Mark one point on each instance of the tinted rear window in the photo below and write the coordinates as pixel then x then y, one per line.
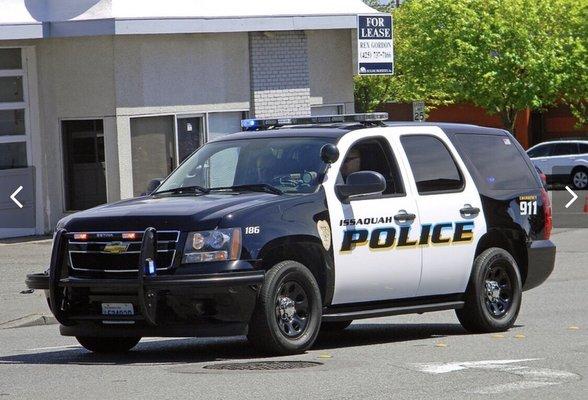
pixel 583 148
pixel 498 161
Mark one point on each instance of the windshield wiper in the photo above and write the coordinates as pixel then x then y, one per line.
pixel 186 188
pixel 255 187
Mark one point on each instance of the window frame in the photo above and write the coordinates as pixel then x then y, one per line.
pixel 548 146
pixel 409 166
pixel 393 163
pixel 21 105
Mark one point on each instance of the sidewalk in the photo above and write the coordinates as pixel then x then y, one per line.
pixel 17 259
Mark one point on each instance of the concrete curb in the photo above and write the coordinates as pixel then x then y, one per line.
pixel 28 321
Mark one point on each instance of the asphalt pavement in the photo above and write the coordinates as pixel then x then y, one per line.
pixel 429 356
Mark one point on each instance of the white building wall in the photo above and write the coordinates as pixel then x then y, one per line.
pixel 331 68
pixel 76 81
pixel 116 78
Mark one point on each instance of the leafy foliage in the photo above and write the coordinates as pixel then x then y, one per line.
pixel 504 56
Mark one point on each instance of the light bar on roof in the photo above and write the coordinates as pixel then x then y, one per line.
pixel 257 124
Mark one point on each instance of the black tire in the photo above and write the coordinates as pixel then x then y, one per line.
pixel 108 345
pixel 484 309
pixel 579 178
pixel 281 325
pixel 335 326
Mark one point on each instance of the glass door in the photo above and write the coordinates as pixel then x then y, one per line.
pixel 190 135
pixel 83 156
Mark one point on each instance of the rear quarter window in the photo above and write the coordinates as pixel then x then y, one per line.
pixel 498 162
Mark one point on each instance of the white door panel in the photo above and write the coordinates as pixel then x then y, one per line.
pixel 449 253
pixel 364 272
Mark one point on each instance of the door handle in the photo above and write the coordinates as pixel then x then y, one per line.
pixel 469 211
pixel 403 217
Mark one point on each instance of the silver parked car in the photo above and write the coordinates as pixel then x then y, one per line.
pixel 563 161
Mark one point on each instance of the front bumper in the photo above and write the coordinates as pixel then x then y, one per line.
pixel 181 306
pixel 541 261
pixel 212 304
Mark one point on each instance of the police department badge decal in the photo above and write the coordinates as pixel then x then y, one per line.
pixel 324 232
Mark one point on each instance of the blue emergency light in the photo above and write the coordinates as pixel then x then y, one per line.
pixel 259 124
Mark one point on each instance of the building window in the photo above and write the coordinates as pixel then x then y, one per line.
pixel 224 123
pixel 13 110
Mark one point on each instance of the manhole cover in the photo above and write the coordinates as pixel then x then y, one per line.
pixel 263 365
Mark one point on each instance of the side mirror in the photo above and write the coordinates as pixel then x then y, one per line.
pixel 152 185
pixel 361 183
pixel 329 153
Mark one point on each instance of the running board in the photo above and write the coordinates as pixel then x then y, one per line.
pixel 333 314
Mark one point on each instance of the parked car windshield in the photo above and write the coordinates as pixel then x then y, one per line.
pixel 292 165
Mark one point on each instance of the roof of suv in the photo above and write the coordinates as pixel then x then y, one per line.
pixel 336 131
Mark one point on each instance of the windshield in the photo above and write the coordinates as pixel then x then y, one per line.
pixel 292 165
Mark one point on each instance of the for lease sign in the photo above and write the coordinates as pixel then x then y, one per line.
pixel 375 51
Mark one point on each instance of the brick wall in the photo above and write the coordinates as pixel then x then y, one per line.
pixel 280 80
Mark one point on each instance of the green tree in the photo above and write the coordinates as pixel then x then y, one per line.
pixel 504 56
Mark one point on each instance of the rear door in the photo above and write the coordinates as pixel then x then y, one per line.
pixel 376 255
pixel 449 207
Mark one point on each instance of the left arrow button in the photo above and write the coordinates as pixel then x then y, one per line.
pixel 13 197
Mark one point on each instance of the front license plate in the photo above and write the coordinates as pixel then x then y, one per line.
pixel 117 309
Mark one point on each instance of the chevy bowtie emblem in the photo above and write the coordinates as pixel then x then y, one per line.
pixel 116 247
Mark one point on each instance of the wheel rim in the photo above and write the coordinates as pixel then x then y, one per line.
pixel 580 179
pixel 498 291
pixel 292 309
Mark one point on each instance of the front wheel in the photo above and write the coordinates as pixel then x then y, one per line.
pixel 287 317
pixel 493 297
pixel 108 344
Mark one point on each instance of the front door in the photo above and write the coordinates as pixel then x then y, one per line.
pixel 190 135
pixel 83 156
pixel 374 237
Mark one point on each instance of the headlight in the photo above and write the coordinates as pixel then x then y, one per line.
pixel 217 245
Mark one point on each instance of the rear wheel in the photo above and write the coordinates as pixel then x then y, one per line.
pixel 335 326
pixel 580 178
pixel 287 316
pixel 493 297
pixel 108 344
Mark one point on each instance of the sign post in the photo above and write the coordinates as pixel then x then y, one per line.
pixel 375 47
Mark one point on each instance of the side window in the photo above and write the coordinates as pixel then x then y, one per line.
pixel 565 149
pixel 432 165
pixel 541 151
pixel 583 148
pixel 374 155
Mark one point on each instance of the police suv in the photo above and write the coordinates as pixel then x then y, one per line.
pixel 299 225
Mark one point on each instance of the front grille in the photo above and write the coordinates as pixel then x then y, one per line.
pixel 116 252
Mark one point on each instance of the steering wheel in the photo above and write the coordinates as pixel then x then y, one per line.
pixel 285 180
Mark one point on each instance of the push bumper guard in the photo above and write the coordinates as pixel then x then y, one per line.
pixel 148 285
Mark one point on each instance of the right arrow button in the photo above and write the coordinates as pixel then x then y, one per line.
pixel 574 197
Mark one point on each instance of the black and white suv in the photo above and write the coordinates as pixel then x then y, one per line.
pixel 303 224
pixel 564 162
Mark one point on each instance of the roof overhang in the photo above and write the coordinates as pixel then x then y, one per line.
pixel 55 18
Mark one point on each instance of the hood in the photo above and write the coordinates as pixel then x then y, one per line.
pixel 166 212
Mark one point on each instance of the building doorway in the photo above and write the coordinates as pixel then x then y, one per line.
pixel 190 135
pixel 83 160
